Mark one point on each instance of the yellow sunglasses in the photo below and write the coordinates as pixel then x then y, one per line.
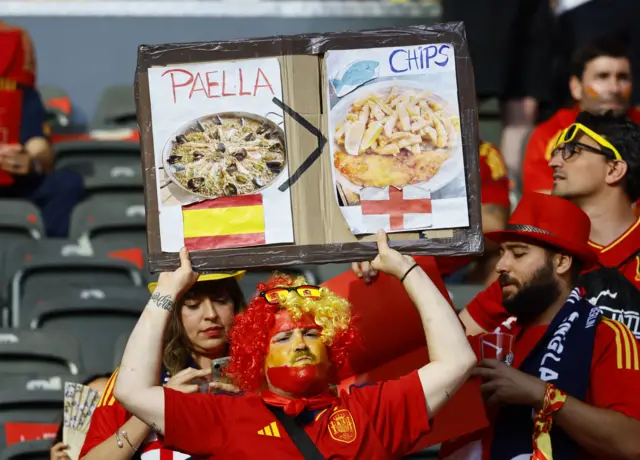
pixel 276 295
pixel 568 136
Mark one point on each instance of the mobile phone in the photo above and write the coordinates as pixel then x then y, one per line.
pixel 217 366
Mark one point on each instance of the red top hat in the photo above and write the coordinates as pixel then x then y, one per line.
pixel 552 221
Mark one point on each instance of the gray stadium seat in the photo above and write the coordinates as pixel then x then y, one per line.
pixel 20 406
pixel 49 265
pixel 32 381
pixel 118 350
pixel 462 294
pixel 20 221
pixel 104 165
pixel 95 318
pixel 112 218
pixel 116 108
pixel 25 352
pixel 27 450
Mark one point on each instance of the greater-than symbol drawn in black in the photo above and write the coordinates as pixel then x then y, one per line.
pixel 306 164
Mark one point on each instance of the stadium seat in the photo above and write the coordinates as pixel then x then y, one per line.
pixel 24 352
pixel 114 218
pixel 104 165
pixel 118 350
pixel 32 381
pixel 19 408
pixel 49 265
pixel 462 294
pixel 20 221
pixel 28 450
pixel 116 108
pixel 95 318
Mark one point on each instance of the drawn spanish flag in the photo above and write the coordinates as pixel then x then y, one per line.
pixel 227 222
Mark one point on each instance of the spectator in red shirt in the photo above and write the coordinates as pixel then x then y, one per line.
pixel 600 81
pixel 26 159
pixel 197 334
pixel 286 349
pixel 604 185
pixel 577 370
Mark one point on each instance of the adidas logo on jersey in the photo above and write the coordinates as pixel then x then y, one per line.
pixel 270 430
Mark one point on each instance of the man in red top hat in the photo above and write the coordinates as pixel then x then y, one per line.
pixel 576 369
pixel 287 348
pixel 596 166
pixel 600 81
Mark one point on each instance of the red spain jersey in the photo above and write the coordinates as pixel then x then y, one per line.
pixel 613 381
pixel 486 308
pixel 377 421
pixel 109 416
pixel 494 190
pixel 615 370
pixel 537 176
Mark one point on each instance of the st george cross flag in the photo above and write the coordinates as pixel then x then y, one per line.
pixel 392 209
pixel 153 450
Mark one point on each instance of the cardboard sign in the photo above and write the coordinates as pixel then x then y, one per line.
pixel 277 151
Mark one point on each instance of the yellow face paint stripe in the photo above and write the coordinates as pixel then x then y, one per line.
pixel 618 344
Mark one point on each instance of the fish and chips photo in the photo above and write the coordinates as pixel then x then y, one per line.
pixel 394 137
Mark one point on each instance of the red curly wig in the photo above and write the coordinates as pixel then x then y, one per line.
pixel 250 332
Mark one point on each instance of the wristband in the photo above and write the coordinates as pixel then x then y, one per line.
pixel 407 272
pixel 554 400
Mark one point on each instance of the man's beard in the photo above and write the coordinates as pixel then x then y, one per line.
pixel 535 296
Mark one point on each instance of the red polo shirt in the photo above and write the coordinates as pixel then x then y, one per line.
pixel 378 421
pixel 486 308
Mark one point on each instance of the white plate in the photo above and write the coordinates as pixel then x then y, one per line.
pixel 449 170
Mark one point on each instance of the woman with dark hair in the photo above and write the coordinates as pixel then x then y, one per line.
pixel 58 449
pixel 197 334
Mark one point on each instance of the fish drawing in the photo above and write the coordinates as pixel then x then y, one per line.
pixel 356 75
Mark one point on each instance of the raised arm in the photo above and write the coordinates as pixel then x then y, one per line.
pixel 450 355
pixel 136 387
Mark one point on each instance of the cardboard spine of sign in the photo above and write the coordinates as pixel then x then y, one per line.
pixel 248 163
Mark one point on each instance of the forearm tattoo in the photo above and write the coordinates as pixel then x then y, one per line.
pixel 155 428
pixel 163 301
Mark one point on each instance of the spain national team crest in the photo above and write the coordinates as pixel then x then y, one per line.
pixel 342 426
